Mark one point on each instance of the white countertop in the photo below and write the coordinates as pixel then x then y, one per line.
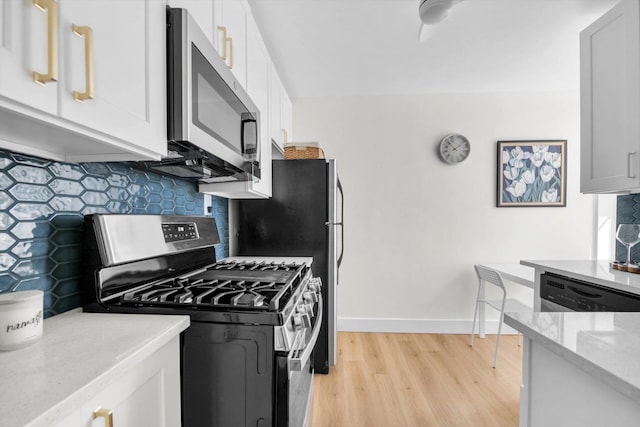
pixel 605 345
pixel 597 272
pixel 78 355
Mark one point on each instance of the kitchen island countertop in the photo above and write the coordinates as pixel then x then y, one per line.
pixel 604 345
pixel 78 355
pixel 592 271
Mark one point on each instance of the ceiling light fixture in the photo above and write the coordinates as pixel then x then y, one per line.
pixel 431 12
pixel 434 11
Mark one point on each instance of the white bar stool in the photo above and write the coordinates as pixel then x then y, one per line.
pixel 490 276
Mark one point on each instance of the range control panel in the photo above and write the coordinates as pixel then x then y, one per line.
pixel 179 232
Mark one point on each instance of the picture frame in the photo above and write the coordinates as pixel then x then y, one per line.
pixel 532 173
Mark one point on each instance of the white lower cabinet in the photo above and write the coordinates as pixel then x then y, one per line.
pixel 146 395
pixel 556 392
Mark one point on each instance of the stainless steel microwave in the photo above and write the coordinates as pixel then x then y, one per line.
pixel 213 127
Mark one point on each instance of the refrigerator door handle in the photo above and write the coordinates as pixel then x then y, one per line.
pixel 341 223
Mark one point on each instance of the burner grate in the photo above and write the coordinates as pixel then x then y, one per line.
pixel 246 286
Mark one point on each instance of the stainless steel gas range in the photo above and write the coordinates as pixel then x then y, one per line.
pixel 246 358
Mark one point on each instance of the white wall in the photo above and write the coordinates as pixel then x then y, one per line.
pixel 414 225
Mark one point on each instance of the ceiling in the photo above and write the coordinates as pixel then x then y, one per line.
pixel 370 47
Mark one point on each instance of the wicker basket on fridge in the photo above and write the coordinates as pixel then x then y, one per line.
pixel 303 150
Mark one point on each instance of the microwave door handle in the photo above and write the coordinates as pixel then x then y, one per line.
pixel 248 127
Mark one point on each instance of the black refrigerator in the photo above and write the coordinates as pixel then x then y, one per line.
pixel 303 217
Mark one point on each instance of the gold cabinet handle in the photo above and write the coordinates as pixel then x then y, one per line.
pixel 87 33
pixel 51 8
pixel 107 414
pixel 230 40
pixel 223 30
pixel 285 136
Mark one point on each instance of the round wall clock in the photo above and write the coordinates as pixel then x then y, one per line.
pixel 454 148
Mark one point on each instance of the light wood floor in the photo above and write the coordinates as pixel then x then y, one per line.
pixel 419 380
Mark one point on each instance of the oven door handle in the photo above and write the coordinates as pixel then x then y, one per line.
pixel 297 363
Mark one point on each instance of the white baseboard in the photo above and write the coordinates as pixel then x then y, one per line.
pixel 426 326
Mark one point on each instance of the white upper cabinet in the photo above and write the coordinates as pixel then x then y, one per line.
pixel 28 45
pixel 101 94
pixel 281 112
pixel 286 116
pixel 202 12
pixel 610 101
pixel 231 35
pixel 258 72
pixel 275 107
pixel 257 86
pixel 127 71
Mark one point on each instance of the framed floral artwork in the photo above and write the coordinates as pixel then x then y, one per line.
pixel 532 173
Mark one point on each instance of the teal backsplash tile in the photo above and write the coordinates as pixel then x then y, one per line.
pixel 42 204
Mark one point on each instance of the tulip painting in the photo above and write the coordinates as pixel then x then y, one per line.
pixel 532 173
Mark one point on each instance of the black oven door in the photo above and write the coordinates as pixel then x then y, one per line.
pixel 294 379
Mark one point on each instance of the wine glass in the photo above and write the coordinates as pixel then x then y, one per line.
pixel 628 235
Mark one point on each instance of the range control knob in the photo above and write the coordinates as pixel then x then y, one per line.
pixel 310 297
pixel 306 320
pixel 314 285
pixel 298 323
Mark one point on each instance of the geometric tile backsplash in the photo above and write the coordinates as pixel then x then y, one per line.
pixel 42 204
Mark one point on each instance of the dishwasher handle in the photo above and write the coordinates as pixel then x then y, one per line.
pixel 584 293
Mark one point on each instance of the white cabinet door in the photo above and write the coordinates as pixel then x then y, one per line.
pixel 28 44
pixel 258 71
pixel 202 13
pixel 231 19
pixel 275 110
pixel 281 110
pixel 147 395
pixel 123 51
pixel 610 101
pixel 257 86
pixel 121 54
pixel 558 392
pixel 287 116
